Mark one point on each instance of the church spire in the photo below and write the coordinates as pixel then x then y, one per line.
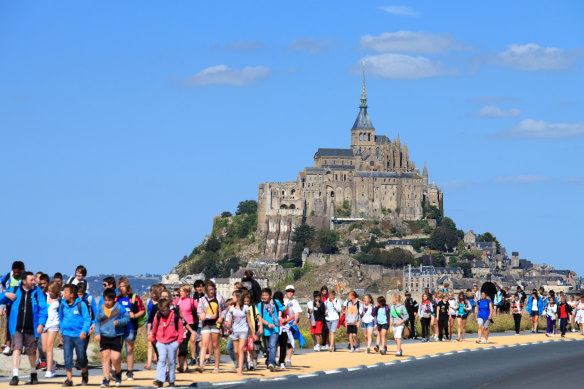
pixel 363 92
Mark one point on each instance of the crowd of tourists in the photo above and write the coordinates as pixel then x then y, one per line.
pixel 184 326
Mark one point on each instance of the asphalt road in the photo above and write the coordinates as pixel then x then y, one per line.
pixel 545 365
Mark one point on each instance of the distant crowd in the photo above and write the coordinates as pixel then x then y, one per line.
pixel 184 326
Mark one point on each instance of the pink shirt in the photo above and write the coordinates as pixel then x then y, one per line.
pixel 164 330
pixel 187 306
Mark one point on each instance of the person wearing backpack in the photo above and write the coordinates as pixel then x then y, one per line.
pixel 79 277
pixel 137 312
pixel 252 286
pixel 150 304
pixel 110 322
pixel 332 311
pixel 352 309
pixel 399 317
pixel 269 312
pixel 167 334
pixel 75 321
pixel 382 315
pixel 443 315
pixel 188 311
pixel 534 309
pixel 317 312
pixel 90 301
pixel 10 280
pixel 28 316
pixel 211 311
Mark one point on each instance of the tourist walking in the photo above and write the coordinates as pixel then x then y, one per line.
pixel 399 316
pixel 516 310
pixel 534 309
pixel 110 322
pixel 293 312
pixel 10 280
pixel 442 317
pixel 464 309
pixel 352 309
pixel 211 314
pixel 551 309
pixel 381 315
pixel 317 311
pixel 150 304
pixel 188 311
pixel 452 309
pixel 269 311
pixel 564 313
pixel 367 321
pixel 580 314
pixel 136 310
pixel 412 308
pixel 485 312
pixel 425 313
pixel 167 334
pixel 51 329
pixel 28 315
pixel 332 310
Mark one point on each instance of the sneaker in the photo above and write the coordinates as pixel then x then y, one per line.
pixel 105 383
pixel 7 351
pixel 192 362
pixel 316 348
pixel 563 336
pixel 367 350
pixel 351 349
pixel 485 341
pixel 282 366
pixel 68 382
pixel 382 351
pixel 533 331
pixel 171 385
pixel 129 376
pixel 251 366
pixel 118 378
pixel 158 384
pixel 330 349
pixel 14 381
pixel 478 341
pixel 288 363
pixel 271 367
pixel 85 378
pixel 49 374
pixel 548 335
pixel 376 348
pixel 399 354
pixel 34 379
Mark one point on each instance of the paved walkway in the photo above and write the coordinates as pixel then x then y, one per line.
pixel 308 363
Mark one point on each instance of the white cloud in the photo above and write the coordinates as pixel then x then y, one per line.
pixel 240 46
pixel 311 45
pixel 403 66
pixel 410 42
pixel 492 111
pixel 534 57
pixel 400 10
pixel 222 74
pixel 529 128
pixel 523 179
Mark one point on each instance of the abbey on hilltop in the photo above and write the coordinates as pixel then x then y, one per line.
pixel 371 179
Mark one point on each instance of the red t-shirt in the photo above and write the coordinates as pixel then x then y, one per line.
pixel 563 314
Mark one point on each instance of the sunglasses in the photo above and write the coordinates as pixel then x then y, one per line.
pixel 105 285
pixel 290 290
pixel 175 294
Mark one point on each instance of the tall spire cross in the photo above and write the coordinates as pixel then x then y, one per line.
pixel 363 92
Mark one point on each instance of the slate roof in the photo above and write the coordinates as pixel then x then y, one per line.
pixel 387 174
pixel 335 152
pixel 381 139
pixel 343 167
pixel 363 122
pixel 314 170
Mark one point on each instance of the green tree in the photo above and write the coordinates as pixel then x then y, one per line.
pixel 328 241
pixel 488 237
pixel 434 213
pixel 213 244
pixel 226 214
pixel 448 223
pixel 303 234
pixel 247 207
pixel 443 239
pixel 227 266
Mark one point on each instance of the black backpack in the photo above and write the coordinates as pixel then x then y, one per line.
pixel 176 317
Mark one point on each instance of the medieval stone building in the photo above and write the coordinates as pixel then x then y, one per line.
pixel 372 178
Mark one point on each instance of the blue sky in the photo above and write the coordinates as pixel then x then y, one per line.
pixel 126 126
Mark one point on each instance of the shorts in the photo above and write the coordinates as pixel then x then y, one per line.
pixel 316 329
pixel 367 325
pixel 483 322
pixel 453 316
pixel 332 325
pixel 351 328
pixel 130 334
pixel 210 329
pixel 54 328
pixel 239 335
pixel 28 341
pixel 397 331
pixel 382 327
pixel 111 343
pixel 534 313
pixel 463 317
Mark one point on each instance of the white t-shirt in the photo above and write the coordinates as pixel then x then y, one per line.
pixel 366 313
pixel 239 319
pixel 53 315
pixel 452 307
pixel 332 309
pixel 293 307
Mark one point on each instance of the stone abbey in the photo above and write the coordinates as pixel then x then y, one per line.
pixel 371 179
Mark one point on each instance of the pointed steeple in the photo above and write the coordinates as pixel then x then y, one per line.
pixel 363 91
pixel 398 138
pixel 425 172
pixel 363 122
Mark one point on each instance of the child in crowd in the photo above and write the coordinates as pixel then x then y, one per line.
pixel 51 329
pixel 443 316
pixel 551 310
pixel 188 311
pixel 399 317
pixel 425 314
pixel 75 321
pixel 564 312
pixel 240 323
pixel 90 301
pixel 110 322
pixel 580 314
pixel 268 316
pixel 317 314
pixel 452 308
pixel 135 308
pixel 167 334
pixel 516 309
pixel 464 308
pixel 79 277
pixel 352 308
pixel 367 321
pixel 381 315
pixel 150 304
pixel 332 310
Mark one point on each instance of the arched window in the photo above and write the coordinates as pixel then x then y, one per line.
pixel 283 193
pixel 332 194
pixel 369 137
pixel 293 191
pixel 292 206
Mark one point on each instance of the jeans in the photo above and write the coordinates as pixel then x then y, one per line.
pixel 198 342
pixel 272 342
pixel 425 321
pixel 551 325
pixel 517 319
pixel 230 350
pixel 563 325
pixel 77 344
pixel 166 351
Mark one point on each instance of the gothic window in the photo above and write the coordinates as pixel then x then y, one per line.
pixel 293 191
pixel 283 193
pixel 332 194
pixel 292 206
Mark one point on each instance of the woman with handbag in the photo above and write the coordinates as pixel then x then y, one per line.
pixel 399 316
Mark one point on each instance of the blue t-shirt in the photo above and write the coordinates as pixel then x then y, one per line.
pixel 381 316
pixel 484 309
pixel 461 310
pixel 269 318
